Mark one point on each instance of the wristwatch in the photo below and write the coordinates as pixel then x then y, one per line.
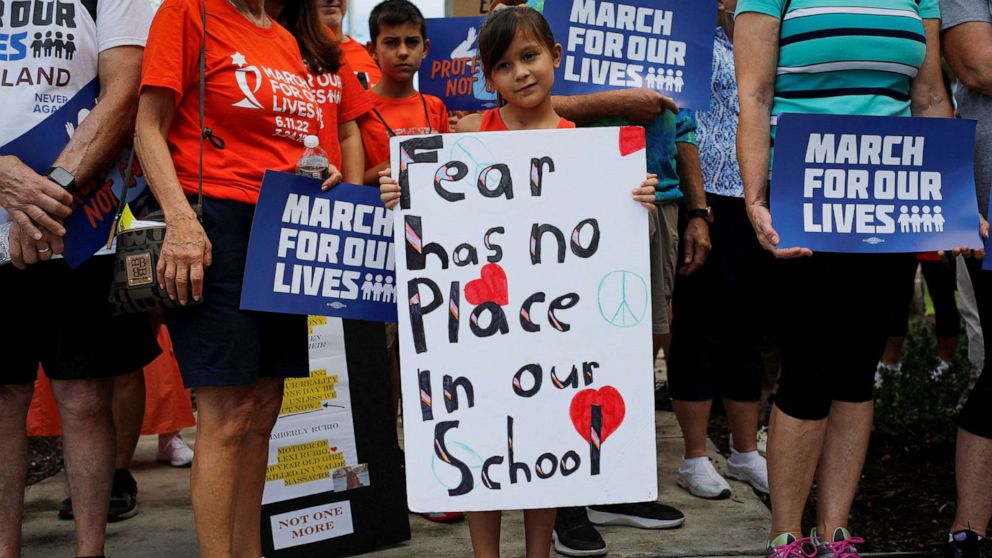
pixel 706 214
pixel 61 177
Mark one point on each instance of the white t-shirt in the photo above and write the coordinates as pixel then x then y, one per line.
pixel 49 51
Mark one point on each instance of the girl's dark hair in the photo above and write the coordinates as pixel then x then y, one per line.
pixel 321 53
pixel 503 25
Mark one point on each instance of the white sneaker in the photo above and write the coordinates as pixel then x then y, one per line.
pixel 752 469
pixel 174 451
pixel 700 478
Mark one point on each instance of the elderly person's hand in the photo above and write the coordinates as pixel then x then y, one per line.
pixel 643 105
pixel 25 251
pixel 186 253
pixel 761 219
pixel 34 202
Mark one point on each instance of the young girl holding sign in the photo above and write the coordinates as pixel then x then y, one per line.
pixel 519 56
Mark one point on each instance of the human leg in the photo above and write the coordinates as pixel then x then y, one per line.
pixel 538 525
pixel 225 415
pixel 129 410
pixel 973 469
pixel 484 529
pixel 267 398
pixel 841 461
pixel 89 445
pixel 941 284
pixel 14 402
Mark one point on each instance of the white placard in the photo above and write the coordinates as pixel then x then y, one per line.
pixel 310 525
pixel 315 432
pixel 502 387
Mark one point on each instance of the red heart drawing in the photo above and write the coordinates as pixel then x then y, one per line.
pixel 611 403
pixel 334 449
pixel 492 287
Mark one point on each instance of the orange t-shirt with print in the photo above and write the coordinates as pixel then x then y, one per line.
pixel 341 98
pixel 257 96
pixel 492 121
pixel 416 114
pixel 361 62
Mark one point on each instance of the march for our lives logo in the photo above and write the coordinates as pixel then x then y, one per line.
pixel 872 184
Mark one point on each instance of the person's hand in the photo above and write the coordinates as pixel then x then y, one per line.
pixel 25 251
pixel 333 179
pixel 34 202
pixel 979 254
pixel 644 194
pixel 643 105
pixel 389 189
pixel 761 220
pixel 697 245
pixel 186 252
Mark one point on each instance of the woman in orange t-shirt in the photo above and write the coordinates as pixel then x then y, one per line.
pixel 259 101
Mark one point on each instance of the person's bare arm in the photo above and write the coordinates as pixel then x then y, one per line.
pixel 470 123
pixel 928 95
pixel 639 105
pixel 352 152
pixel 755 60
pixel 186 250
pixel 36 203
pixel 697 231
pixel 968 50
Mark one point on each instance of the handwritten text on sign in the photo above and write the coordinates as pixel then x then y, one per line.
pixel 524 319
pixel 665 45
pixel 871 184
pixel 314 252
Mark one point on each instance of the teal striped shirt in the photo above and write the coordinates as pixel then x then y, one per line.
pixel 846 56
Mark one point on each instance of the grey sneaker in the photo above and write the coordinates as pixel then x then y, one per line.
pixel 841 545
pixel 787 545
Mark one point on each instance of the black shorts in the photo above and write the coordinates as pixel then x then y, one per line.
pixel 218 344
pixel 976 416
pixel 832 322
pixel 941 280
pixel 719 312
pixel 59 318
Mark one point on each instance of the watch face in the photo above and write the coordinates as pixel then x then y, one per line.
pixel 61 177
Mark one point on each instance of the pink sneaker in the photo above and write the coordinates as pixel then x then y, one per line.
pixel 443 517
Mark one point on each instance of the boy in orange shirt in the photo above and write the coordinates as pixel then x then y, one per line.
pixel 399 45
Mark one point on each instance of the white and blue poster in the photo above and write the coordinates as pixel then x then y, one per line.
pixel 665 45
pixel 452 70
pixel 321 253
pixel 524 319
pixel 862 184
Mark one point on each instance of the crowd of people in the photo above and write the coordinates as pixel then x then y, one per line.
pixel 722 284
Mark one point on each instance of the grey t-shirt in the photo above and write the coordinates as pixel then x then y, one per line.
pixel 972 104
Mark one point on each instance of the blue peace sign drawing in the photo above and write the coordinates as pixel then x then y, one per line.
pixel 623 298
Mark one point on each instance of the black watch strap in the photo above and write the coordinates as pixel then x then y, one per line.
pixel 706 214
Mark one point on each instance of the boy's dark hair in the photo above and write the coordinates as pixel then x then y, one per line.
pixel 321 53
pixel 396 12
pixel 501 27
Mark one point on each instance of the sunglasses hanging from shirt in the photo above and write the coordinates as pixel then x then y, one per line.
pixel 135 288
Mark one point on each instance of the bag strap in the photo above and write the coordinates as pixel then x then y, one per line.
pixel 206 134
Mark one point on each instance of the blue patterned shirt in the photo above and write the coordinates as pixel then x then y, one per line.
pixel 718 126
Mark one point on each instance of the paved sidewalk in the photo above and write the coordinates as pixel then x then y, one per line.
pixel 164 526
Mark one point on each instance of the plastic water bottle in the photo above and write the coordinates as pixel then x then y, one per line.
pixel 314 163
pixel 4 243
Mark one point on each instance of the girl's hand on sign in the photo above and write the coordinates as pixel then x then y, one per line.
pixel 644 194
pixel 761 219
pixel 334 178
pixel 389 188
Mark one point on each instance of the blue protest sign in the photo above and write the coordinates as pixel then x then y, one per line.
pixel 666 45
pixel 862 184
pixel 320 253
pixel 452 70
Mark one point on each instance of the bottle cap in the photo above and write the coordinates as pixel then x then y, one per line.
pixel 311 141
